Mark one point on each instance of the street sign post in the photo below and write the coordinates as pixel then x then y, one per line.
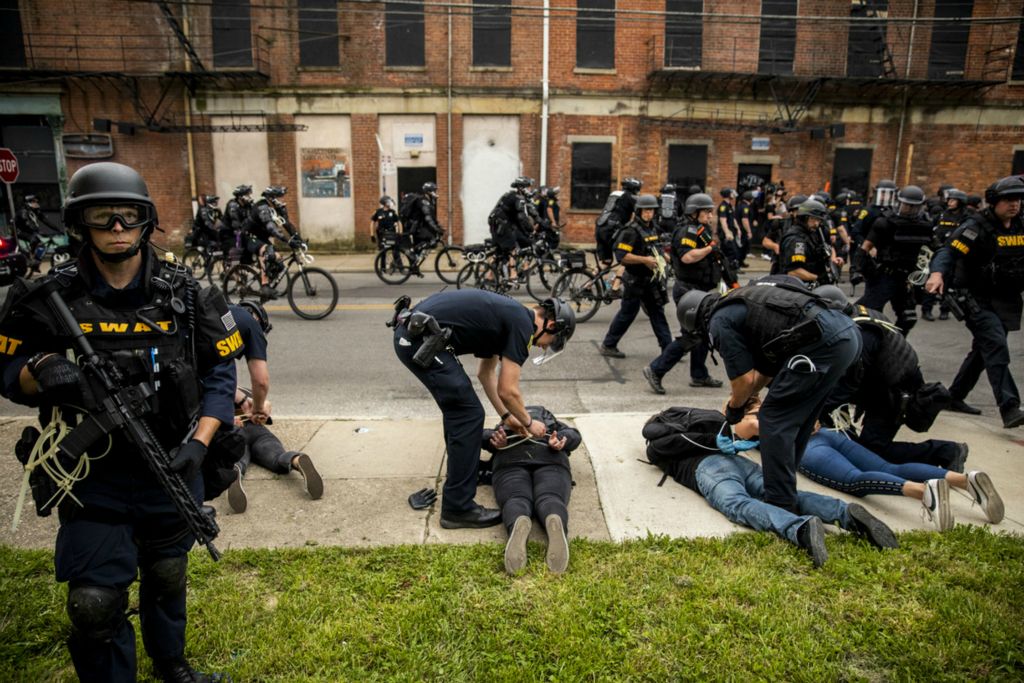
pixel 9 175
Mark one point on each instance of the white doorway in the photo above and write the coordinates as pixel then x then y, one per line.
pixel 490 161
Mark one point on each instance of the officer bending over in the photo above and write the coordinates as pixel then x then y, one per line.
pixel 773 331
pixel 983 260
pixel 149 321
pixel 429 339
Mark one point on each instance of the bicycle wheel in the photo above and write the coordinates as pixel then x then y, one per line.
pixel 312 293
pixel 240 283
pixel 392 266
pixel 448 263
pixel 477 276
pixel 195 260
pixel 580 289
pixel 541 278
pixel 216 267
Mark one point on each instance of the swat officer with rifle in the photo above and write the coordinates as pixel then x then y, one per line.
pixel 123 351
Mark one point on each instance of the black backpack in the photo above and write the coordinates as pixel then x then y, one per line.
pixel 407 209
pixel 679 433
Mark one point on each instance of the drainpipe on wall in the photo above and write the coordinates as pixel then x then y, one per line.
pixel 906 97
pixel 188 123
pixel 544 96
pixel 449 183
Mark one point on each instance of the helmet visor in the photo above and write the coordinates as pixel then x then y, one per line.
pixel 102 216
pixel 548 355
pixel 885 196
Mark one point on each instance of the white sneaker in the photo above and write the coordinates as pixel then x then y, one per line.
pixel 935 504
pixel 237 499
pixel 980 486
pixel 515 549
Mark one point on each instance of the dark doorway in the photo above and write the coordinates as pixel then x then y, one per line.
pixel 852 170
pixel 762 171
pixel 31 140
pixel 411 178
pixel 1018 162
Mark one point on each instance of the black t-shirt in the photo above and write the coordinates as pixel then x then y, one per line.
pixel 483 323
pixel 252 334
pixel 386 219
pixel 801 248
pixel 640 240
pixel 727 329
pixel 534 451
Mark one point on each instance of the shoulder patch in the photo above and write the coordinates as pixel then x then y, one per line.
pixel 721 208
pixel 863 214
pixel 800 248
pixel 228 320
pixel 624 247
pixel 970 233
pixel 687 242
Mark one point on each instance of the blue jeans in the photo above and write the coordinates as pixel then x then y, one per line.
pixel 734 486
pixel 833 460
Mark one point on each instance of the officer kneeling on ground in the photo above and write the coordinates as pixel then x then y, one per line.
pixel 162 347
pixel 983 262
pixel 774 331
pixel 428 340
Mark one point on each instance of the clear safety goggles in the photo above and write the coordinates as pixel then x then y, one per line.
pixel 103 216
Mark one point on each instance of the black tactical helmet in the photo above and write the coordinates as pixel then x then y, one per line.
pixel 522 182
pixel 885 193
pixel 211 199
pixel 974 200
pixel 646 201
pixel 958 195
pixel 748 196
pixel 885 185
pixel 695 189
pixel 386 200
pixel 691 307
pixel 257 311
pixel 553 191
pixel 911 194
pixel 29 198
pixel 429 188
pixel 822 196
pixel 110 183
pixel 835 295
pixel 1010 187
pixel 565 321
pixel 843 197
pixel 632 184
pixel 795 201
pixel 242 190
pixel 727 192
pixel 696 202
pixel 812 208
pixel 269 192
pixel 668 188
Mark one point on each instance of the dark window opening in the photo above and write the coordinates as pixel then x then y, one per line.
pixel 591 174
pixel 31 140
pixel 866 47
pixel 411 178
pixel 318 33
pixel 1018 58
pixel 949 40
pixel 683 35
pixel 404 34
pixel 687 165
pixel 492 33
pixel 12 42
pixel 778 38
pixel 746 171
pixel 595 34
pixel 852 171
pixel 1018 163
pixel 232 33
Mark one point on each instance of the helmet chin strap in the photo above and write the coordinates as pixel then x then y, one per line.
pixel 121 257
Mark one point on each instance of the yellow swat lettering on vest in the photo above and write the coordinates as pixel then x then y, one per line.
pixel 9 345
pixel 960 246
pixel 1010 240
pixel 85 327
pixel 229 345
pixel 119 328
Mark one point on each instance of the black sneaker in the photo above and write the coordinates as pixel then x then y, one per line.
pixel 944 315
pixel 653 380
pixel 866 525
pixel 928 315
pixel 477 518
pixel 958 406
pixel 1013 418
pixel 237 499
pixel 613 294
pixel 708 381
pixel 267 292
pixel 179 671
pixel 314 482
pixel 610 351
pixel 811 537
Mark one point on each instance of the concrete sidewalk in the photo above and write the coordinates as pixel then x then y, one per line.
pixel 370 466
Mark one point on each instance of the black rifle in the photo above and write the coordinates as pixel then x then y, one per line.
pixel 124 408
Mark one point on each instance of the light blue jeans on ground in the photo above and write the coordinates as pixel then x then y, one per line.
pixel 833 460
pixel 734 486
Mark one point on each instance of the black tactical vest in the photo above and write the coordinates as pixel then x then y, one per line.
pixel 704 274
pixel 771 308
pixel 907 237
pixel 896 360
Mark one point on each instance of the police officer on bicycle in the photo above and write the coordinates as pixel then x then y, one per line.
pixel 153 327
pixel 500 332
pixel 268 223
pixel 420 221
pixel 983 261
pixel 510 222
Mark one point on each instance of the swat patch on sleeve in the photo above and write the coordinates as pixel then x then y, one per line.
pixel 689 243
pixel 863 213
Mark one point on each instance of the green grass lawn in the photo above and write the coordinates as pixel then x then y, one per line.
pixel 943 607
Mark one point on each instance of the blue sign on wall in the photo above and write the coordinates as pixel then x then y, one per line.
pixel 413 140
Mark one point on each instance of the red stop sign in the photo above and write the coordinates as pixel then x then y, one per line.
pixel 8 166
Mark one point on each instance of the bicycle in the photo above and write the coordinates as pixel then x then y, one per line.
pixel 585 289
pixel 55 246
pixel 398 260
pixel 312 292
pixel 208 261
pixel 485 270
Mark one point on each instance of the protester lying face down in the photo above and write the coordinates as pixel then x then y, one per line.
pixel 532 479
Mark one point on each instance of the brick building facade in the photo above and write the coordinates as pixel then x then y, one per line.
pixel 342 101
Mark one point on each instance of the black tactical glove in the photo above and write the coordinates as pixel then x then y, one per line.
pixel 295 241
pixel 733 415
pixel 188 459
pixel 60 380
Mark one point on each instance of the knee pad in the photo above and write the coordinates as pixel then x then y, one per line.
pixel 166 576
pixel 97 612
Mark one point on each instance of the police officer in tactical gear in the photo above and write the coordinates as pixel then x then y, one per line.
pixel 550 213
pixel 728 231
pixel 499 331
pixel 266 224
pixel 238 213
pixel 983 261
pixel 698 263
pixel 947 221
pixel 618 211
pixel 774 331
pixel 884 200
pixel 154 328
pixel 898 240
pixel 805 252
pixel 207 225
pixel 644 279
pixel 422 222
pixel 30 222
pixel 511 220
pixel 384 224
pixel 668 210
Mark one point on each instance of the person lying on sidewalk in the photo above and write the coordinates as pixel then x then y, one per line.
pixel 734 485
pixel 532 478
pixel 267 451
pixel 835 460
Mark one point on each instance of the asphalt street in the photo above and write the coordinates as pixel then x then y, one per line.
pixel 344 366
